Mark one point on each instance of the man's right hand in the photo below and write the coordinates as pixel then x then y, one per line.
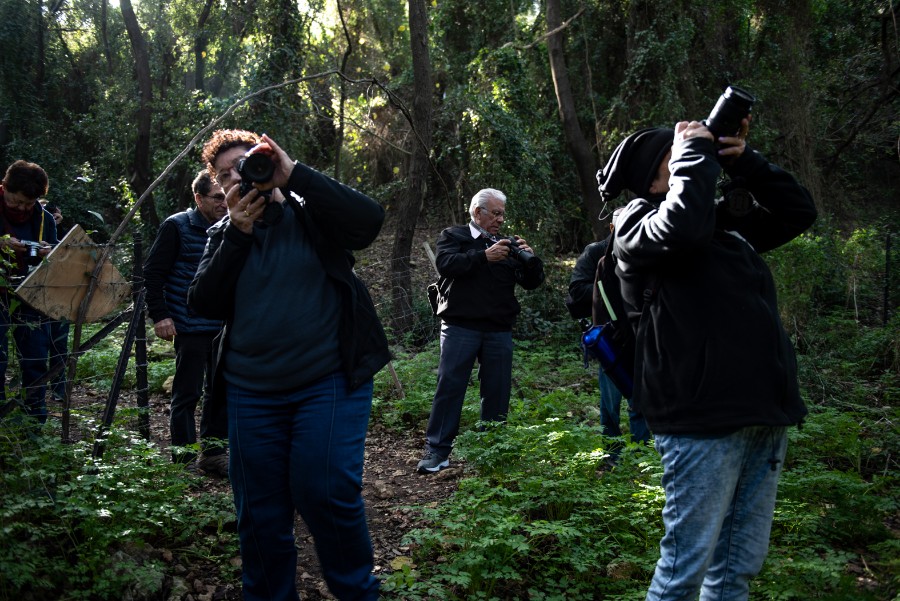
pixel 692 129
pixel 498 251
pixel 165 329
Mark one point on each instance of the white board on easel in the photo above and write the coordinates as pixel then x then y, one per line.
pixel 58 285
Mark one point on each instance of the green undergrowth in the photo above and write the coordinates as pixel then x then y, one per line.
pixel 75 527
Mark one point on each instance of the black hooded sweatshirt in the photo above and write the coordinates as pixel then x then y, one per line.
pixel 713 355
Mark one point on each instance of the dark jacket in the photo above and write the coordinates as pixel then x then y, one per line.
pixel 338 220
pixel 581 285
pixel 170 268
pixel 713 355
pixel 478 294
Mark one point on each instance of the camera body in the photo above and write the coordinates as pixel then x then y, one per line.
pixel 515 251
pixel 525 257
pixel 32 252
pixel 255 168
pixel 733 105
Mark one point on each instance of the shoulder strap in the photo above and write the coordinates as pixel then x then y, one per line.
pixel 607 301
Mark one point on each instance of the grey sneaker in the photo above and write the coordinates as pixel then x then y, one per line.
pixel 214 465
pixel 431 463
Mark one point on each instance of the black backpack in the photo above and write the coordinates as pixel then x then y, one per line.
pixel 611 339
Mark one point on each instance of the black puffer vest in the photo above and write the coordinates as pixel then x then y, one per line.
pixel 192 231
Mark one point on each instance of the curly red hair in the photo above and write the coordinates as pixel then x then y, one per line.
pixel 225 139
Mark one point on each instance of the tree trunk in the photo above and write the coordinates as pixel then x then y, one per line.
pixel 139 178
pixel 40 63
pixel 579 148
pixel 104 36
pixel 342 90
pixel 200 44
pixel 408 213
pixel 786 28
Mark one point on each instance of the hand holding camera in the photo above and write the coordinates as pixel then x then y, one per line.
pixel 263 169
pixel 515 247
pixel 34 251
pixel 726 126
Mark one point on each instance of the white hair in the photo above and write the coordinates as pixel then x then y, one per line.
pixel 482 197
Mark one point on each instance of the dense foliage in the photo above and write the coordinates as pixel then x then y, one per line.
pixel 825 72
pixel 540 514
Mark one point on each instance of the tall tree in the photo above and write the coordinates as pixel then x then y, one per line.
pixel 577 143
pixel 140 177
pixel 40 71
pixel 786 29
pixel 200 42
pixel 416 187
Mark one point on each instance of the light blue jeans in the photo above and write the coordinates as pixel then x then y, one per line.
pixel 720 500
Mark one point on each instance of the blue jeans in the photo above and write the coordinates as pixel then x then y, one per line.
pixel 460 347
pixel 301 450
pixel 611 405
pixel 31 334
pixel 192 382
pixel 720 500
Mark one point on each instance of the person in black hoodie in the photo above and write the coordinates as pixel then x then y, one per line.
pixel 715 372
pixel 300 346
pixel 478 307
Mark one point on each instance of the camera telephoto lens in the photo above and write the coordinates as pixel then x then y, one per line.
pixel 32 258
pixel 256 168
pixel 733 105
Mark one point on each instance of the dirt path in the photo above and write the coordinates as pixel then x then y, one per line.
pixel 391 487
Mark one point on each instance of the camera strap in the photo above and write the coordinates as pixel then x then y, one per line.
pixel 483 231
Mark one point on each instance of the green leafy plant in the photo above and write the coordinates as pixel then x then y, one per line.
pixel 76 527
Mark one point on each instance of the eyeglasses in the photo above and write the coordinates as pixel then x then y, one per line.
pixel 496 214
pixel 216 198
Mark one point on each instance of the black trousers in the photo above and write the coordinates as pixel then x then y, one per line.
pixel 193 383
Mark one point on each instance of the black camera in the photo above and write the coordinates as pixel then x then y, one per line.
pixel 733 105
pixel 255 168
pixel 32 255
pixel 525 257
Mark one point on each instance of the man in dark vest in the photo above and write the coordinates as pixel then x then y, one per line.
pixel 168 272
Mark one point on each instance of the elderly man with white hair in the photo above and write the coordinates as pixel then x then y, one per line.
pixel 477 305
